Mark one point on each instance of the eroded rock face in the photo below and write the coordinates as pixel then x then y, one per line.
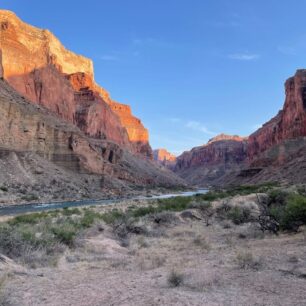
pixel 225 150
pixel 38 66
pixel 290 123
pixel 138 134
pixel 205 164
pixel 26 128
pixel 165 158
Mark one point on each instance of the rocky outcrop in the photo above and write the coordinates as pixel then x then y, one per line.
pixel 164 158
pixel 205 164
pixel 42 154
pixel 290 123
pixel 275 152
pixel 38 66
pixel 138 134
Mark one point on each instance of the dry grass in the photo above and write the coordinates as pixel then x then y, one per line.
pixel 246 260
pixel 4 296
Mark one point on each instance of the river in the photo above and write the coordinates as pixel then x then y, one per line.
pixel 35 207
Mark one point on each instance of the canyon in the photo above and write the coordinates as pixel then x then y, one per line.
pixel 39 67
pixel 164 158
pixel 275 152
pixel 57 121
pixel 61 134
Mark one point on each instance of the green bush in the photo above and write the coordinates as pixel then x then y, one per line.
pixel 89 218
pixel 71 211
pixel 112 216
pixel 65 233
pixel 239 215
pixel 293 214
pixel 29 218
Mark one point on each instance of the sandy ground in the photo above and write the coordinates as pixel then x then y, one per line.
pixel 222 264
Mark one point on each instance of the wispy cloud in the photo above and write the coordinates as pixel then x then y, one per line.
pixel 109 58
pixel 197 126
pixel 244 56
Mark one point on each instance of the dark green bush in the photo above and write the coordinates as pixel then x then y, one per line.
pixel 292 214
pixel 29 218
pixel 71 211
pixel 239 215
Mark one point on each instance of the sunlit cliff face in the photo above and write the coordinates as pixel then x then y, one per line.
pixel 38 66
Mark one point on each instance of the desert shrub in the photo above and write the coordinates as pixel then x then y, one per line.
pixel 112 216
pixel 246 260
pixel 30 197
pixel 175 279
pixel 65 233
pixel 277 197
pixel 71 211
pixel 39 237
pixel 143 211
pixel 28 244
pixel 89 218
pixel 239 215
pixel 293 214
pixel 29 218
pixel 164 217
pixel 142 242
pixel 174 204
pixel 236 190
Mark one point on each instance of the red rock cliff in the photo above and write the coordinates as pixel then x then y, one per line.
pixel 219 150
pixel 205 164
pixel 37 65
pixel 289 123
pixel 165 158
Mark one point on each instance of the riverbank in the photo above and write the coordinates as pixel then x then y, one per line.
pixel 36 207
pixel 200 250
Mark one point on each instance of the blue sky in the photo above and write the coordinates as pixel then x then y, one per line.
pixel 190 69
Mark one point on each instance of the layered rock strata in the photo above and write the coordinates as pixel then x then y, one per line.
pixel 38 66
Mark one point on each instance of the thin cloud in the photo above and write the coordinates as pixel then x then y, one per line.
pixel 197 126
pixel 244 56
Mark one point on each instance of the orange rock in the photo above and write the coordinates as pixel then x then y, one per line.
pixel 165 158
pixel 38 66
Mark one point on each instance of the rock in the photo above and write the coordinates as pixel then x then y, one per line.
pixel 289 123
pixel 206 164
pixel 39 67
pixel 165 158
